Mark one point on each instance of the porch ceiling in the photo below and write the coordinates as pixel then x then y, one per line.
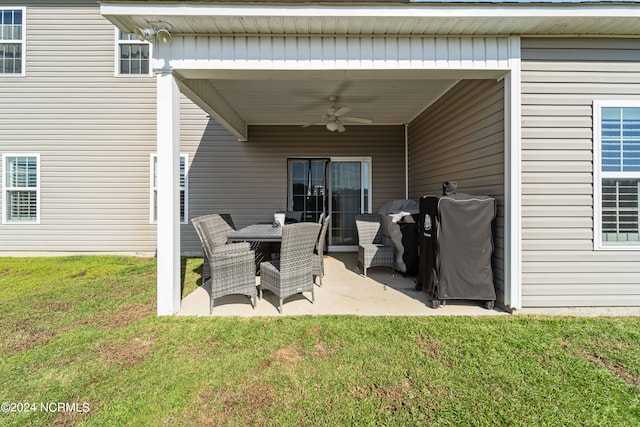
pixel 299 97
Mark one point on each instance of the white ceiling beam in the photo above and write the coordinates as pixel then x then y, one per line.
pixel 205 96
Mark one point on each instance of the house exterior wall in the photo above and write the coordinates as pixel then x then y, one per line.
pixel 461 138
pixel 94 133
pixel 560 80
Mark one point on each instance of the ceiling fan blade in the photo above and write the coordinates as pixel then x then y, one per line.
pixel 341 128
pixel 342 110
pixel 358 120
pixel 317 122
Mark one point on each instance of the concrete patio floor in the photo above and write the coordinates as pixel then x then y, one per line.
pixel 344 291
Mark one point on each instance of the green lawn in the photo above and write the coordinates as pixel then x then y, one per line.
pixel 83 331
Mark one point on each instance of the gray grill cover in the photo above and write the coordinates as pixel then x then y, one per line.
pixel 465 246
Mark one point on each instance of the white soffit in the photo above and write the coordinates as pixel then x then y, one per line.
pixel 414 19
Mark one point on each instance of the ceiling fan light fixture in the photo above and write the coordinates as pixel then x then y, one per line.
pixel 334 117
pixel 332 126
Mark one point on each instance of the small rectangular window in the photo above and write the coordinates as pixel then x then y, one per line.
pixel 12 41
pixel 617 171
pixel 21 188
pixel 133 55
pixel 183 188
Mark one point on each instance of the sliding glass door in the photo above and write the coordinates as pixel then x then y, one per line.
pixel 338 186
pixel 350 190
pixel 307 187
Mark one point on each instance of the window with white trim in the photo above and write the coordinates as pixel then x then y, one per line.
pixel 617 172
pixel 184 193
pixel 12 41
pixel 133 55
pixel 21 188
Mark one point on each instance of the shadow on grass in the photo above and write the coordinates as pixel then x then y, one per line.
pixel 191 269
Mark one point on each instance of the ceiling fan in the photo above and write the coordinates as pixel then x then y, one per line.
pixel 334 116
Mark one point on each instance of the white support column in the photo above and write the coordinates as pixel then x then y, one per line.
pixel 168 226
pixel 513 178
pixel 406 160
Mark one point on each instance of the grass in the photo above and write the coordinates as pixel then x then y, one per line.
pixel 83 330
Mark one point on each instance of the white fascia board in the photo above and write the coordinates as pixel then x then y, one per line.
pixel 424 11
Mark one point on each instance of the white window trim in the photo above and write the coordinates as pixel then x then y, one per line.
pixel 23 42
pixel 5 188
pixel 185 189
pixel 598 244
pixel 116 56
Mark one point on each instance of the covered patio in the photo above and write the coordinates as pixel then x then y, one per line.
pixel 344 291
pixel 436 108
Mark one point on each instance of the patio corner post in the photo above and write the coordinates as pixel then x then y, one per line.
pixel 168 184
pixel 513 177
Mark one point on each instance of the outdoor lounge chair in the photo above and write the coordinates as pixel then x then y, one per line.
pixel 231 266
pixel 318 253
pixel 372 252
pixel 293 272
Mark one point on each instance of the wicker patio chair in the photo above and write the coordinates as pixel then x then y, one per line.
pixel 232 266
pixel 233 273
pixel 318 253
pixel 372 252
pixel 217 227
pixel 292 217
pixel 293 272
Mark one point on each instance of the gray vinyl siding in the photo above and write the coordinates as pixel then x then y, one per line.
pixel 560 80
pixel 249 179
pixel 461 138
pixel 94 133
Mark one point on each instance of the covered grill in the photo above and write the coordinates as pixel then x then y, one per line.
pixel 456 246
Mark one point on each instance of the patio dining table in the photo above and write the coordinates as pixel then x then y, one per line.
pixel 265 240
pixel 257 233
